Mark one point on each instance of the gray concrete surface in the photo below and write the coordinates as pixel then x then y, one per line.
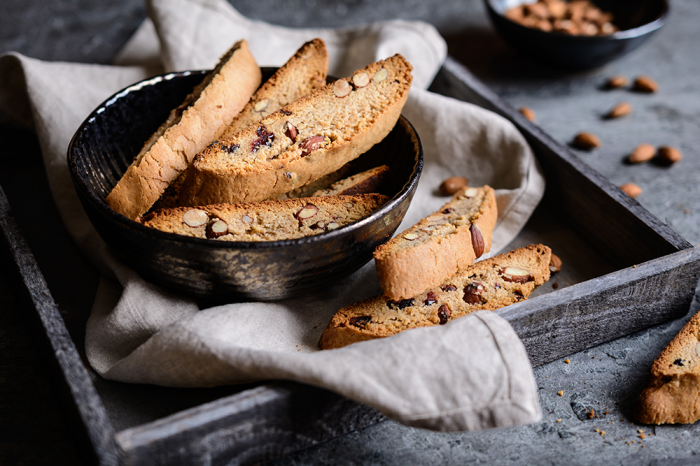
pixel 606 378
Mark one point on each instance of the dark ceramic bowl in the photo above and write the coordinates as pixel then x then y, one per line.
pixel 106 143
pixel 637 20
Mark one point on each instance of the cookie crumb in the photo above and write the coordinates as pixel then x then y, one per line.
pixel 558 420
pixel 640 431
pixel 560 393
pixel 642 436
pixel 568 361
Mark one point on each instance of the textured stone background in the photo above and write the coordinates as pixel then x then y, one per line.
pixel 605 378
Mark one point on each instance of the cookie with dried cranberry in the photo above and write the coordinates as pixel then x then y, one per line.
pixel 487 285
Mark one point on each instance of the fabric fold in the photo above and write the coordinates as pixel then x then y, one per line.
pixel 472 373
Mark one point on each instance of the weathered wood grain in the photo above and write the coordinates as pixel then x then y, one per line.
pixel 252 427
pixel 51 333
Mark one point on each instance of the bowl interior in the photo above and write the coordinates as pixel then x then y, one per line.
pixel 109 139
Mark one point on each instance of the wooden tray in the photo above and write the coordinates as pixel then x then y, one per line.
pixel 624 271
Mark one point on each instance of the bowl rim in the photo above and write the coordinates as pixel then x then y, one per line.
pixel 80 184
pixel 624 34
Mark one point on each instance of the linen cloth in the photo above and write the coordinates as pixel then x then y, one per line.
pixel 472 373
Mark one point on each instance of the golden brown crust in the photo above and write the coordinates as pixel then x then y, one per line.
pixel 673 391
pixel 266 159
pixel 304 73
pixel 265 220
pixel 369 181
pixel 407 267
pixel 486 285
pixel 188 130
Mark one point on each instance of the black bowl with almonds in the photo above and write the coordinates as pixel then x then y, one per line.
pixel 106 143
pixel 576 34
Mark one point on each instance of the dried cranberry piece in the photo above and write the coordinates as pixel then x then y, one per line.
pixel 472 293
pixel 444 313
pixel 229 149
pixel 518 295
pixel 360 321
pixel 400 304
pixel 449 210
pixel 430 299
pixel 448 288
pixel 678 362
pixel 285 112
pixel 265 138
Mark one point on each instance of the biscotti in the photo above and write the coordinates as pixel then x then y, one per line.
pixel 322 183
pixel 266 220
pixel 303 141
pixel 201 118
pixel 435 248
pixel 368 181
pixel 303 73
pixel 487 285
pixel 673 391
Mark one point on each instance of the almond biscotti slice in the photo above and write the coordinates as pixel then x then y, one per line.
pixel 303 73
pixel 487 285
pixel 303 141
pixel 673 391
pixel 322 183
pixel 266 220
pixel 201 118
pixel 435 248
pixel 368 181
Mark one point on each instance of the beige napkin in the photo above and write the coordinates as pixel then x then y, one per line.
pixel 469 374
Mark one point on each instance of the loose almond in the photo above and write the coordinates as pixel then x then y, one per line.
pixel 642 153
pixel 631 189
pixel 527 113
pixel 586 141
pixel 615 82
pixel 645 84
pixel 669 155
pixel 620 110
pixel 452 184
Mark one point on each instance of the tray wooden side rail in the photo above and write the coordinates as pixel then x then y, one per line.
pixel 654 276
pixel 51 333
